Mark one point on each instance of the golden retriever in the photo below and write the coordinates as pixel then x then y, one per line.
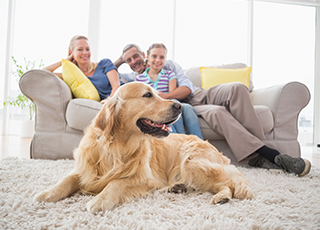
pixel 127 152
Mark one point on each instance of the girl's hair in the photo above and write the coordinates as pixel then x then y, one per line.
pixel 156 45
pixel 92 65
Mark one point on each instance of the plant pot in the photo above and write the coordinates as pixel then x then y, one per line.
pixel 27 128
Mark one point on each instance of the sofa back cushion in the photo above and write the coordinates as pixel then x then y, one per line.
pixel 195 75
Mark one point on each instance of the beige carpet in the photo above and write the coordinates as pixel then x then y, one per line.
pixel 282 201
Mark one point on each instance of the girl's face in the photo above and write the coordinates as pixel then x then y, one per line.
pixel 157 58
pixel 81 51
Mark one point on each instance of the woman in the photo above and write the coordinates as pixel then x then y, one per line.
pixel 103 75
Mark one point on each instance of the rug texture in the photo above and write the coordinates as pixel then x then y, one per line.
pixel 281 201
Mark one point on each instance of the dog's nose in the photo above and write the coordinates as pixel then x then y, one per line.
pixel 177 106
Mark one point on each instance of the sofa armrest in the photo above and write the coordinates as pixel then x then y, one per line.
pixel 50 95
pixel 285 102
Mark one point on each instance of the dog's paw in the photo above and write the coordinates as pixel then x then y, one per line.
pixel 243 193
pixel 46 196
pixel 220 198
pixel 178 188
pixel 99 205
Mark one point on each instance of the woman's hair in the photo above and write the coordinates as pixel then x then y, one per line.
pixel 92 65
pixel 156 45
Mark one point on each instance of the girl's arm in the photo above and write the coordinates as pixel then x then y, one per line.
pixel 114 80
pixel 172 85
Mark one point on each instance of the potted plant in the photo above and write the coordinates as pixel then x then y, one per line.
pixel 27 126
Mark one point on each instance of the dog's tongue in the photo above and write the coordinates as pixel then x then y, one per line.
pixel 162 126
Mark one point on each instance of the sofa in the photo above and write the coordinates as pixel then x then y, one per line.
pixel 60 119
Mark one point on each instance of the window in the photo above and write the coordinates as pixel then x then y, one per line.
pixel 211 32
pixel 284 51
pixel 142 22
pixel 3 40
pixel 42 34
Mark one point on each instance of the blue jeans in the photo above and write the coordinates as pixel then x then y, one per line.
pixel 188 119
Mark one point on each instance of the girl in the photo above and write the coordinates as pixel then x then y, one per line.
pixel 103 75
pixel 166 81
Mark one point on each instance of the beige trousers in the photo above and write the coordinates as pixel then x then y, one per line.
pixel 228 110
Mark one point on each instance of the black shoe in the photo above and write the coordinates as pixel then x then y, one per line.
pixel 262 162
pixel 295 165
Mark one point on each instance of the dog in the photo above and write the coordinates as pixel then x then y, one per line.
pixel 127 153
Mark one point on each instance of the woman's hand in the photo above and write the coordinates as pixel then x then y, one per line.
pixel 71 58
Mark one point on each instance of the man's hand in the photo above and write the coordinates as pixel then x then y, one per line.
pixel 179 93
pixel 163 95
pixel 119 62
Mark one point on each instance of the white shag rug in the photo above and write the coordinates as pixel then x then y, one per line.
pixel 281 201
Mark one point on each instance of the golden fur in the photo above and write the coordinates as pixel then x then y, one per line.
pixel 118 163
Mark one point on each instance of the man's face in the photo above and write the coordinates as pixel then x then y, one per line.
pixel 134 59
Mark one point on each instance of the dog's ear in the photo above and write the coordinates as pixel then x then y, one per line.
pixel 105 118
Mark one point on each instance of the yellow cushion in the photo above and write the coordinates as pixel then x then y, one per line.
pixel 79 83
pixel 215 76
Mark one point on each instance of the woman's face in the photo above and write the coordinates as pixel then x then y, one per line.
pixel 81 51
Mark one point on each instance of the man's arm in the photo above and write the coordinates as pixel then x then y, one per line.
pixel 126 77
pixel 119 62
pixel 185 86
pixel 179 93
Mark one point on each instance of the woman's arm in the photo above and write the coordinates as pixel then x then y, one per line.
pixel 53 67
pixel 114 80
pixel 56 65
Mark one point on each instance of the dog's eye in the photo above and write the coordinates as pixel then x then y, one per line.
pixel 148 94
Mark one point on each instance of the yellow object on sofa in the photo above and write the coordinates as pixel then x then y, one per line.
pixel 215 76
pixel 79 83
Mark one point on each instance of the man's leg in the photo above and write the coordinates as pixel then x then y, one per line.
pixel 236 99
pixel 241 142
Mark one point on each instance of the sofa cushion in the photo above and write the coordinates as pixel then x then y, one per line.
pixel 80 112
pixel 195 75
pixel 265 116
pixel 216 76
pixel 80 85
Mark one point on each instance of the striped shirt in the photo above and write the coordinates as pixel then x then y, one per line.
pixel 162 82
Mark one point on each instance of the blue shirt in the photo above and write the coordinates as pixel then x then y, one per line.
pixel 100 80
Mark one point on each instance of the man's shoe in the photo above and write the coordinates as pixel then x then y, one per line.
pixel 295 165
pixel 262 162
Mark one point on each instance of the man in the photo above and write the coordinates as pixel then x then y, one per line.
pixel 222 108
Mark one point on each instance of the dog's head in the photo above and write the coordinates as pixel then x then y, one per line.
pixel 136 108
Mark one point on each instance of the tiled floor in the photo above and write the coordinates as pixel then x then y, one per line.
pixel 15 146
